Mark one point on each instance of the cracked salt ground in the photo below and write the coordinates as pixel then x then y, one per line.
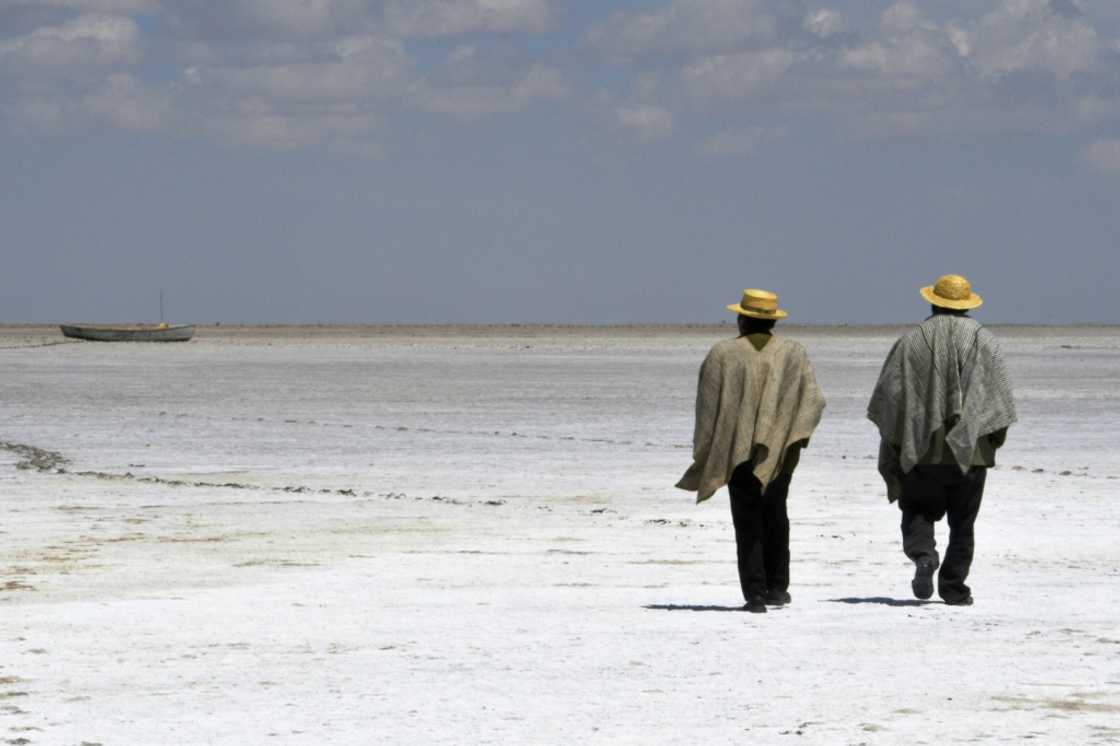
pixel 334 538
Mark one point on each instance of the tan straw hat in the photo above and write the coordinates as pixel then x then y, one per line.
pixel 758 304
pixel 952 291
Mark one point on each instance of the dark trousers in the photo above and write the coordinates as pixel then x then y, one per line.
pixel 761 531
pixel 928 494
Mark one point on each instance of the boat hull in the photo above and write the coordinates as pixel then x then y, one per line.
pixel 173 333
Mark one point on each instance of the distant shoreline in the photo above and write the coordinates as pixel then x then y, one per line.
pixel 527 329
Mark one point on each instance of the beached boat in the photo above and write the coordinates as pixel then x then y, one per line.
pixel 129 332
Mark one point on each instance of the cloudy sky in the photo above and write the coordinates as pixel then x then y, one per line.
pixel 539 160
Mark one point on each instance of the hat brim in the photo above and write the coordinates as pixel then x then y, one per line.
pixel 972 301
pixel 772 315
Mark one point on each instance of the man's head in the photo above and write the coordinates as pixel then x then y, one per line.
pixel 748 325
pixel 951 294
pixel 938 310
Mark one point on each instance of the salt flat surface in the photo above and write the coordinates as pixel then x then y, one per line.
pixel 471 536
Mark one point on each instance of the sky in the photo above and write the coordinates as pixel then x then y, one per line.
pixel 520 161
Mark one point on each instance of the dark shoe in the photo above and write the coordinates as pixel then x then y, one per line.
pixel 775 597
pixel 756 605
pixel 966 601
pixel 922 584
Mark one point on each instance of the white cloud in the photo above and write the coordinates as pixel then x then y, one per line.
pixel 433 18
pixel 470 100
pixel 646 122
pixel 88 6
pixel 960 40
pixel 824 23
pixel 355 68
pixel 119 100
pixel 297 17
pixel 732 76
pixel 1094 109
pixel 949 113
pixel 738 143
pixel 268 129
pixel 76 44
pixel 322 19
pixel 40 113
pixel 335 94
pixel 273 20
pixel 1039 35
pixel 123 100
pixel 292 73
pixel 915 56
pixel 260 123
pixel 1103 156
pixel 911 47
pixel 462 56
pixel 697 25
pixel 904 17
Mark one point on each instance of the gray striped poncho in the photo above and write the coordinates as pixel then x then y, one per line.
pixel 949 373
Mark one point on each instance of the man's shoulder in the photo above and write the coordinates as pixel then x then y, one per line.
pixel 966 322
pixel 911 334
pixel 725 348
pixel 787 345
pixel 985 334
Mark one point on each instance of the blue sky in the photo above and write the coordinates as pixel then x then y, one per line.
pixel 429 161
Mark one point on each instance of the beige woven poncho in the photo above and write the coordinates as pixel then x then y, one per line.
pixel 751 405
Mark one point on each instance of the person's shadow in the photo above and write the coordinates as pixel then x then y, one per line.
pixel 691 607
pixel 880 600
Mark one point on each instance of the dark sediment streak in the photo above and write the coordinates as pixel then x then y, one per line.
pixel 45 461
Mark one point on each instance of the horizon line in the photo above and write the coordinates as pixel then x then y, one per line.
pixel 540 324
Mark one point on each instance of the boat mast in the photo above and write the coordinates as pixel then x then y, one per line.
pixel 161 305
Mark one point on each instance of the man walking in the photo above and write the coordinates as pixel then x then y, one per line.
pixel 942 405
pixel 757 403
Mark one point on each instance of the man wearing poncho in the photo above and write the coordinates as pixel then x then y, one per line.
pixel 942 405
pixel 757 403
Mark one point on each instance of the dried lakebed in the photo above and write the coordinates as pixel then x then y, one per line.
pixel 283 538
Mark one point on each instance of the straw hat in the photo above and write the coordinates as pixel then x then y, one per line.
pixel 758 304
pixel 952 291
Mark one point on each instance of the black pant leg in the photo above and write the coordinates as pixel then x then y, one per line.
pixel 922 504
pixel 776 534
pixel 963 505
pixel 748 516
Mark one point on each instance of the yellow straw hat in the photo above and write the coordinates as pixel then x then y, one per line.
pixel 758 304
pixel 952 291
